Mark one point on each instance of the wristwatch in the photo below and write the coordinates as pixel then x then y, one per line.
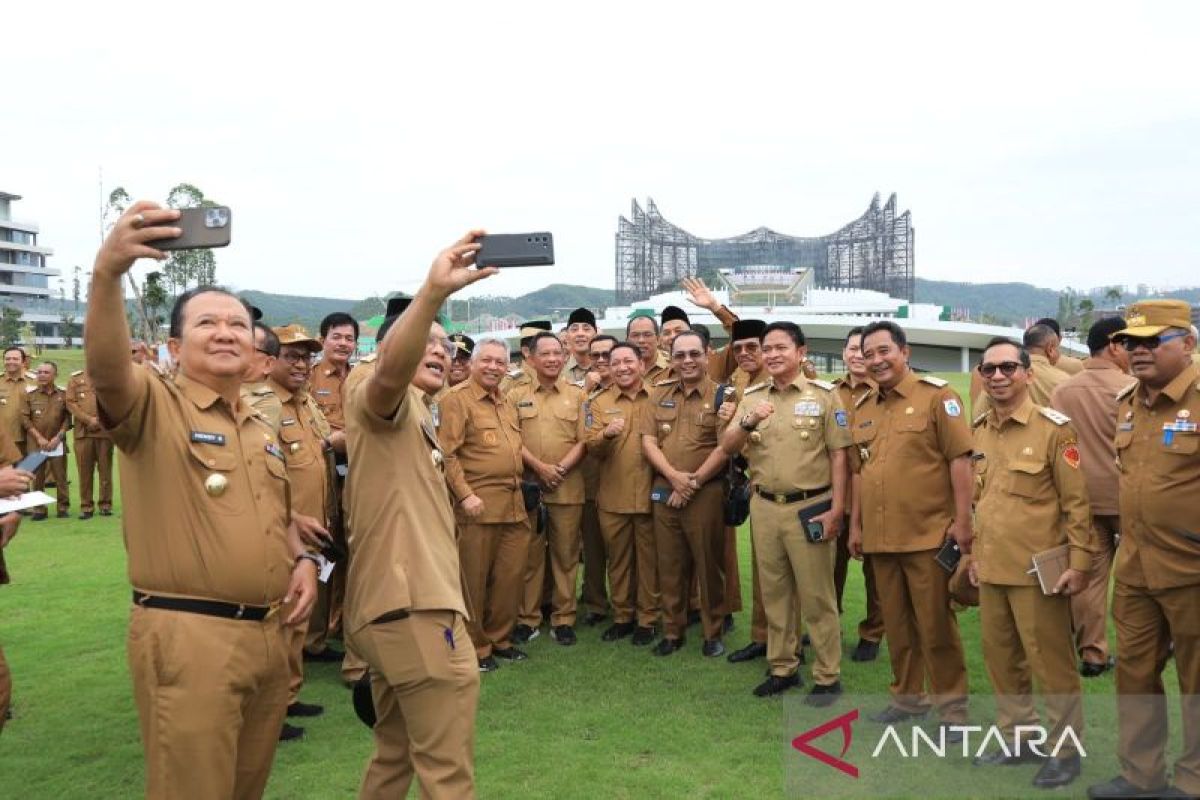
pixel 746 424
pixel 313 557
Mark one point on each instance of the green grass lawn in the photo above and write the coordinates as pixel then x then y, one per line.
pixel 597 720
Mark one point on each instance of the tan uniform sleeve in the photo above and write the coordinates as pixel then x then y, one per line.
pixel 9 454
pixel 953 431
pixel 837 424
pixel 451 433
pixel 596 443
pixel 127 433
pixel 1073 498
pixel 73 406
pixel 26 412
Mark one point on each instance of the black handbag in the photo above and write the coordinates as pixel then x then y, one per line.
pixel 737 501
pixel 531 495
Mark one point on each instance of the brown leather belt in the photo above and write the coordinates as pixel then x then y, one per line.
pixel 209 608
pixel 790 497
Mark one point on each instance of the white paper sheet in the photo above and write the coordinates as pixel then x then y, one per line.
pixel 24 501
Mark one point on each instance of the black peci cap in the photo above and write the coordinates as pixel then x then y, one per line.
pixel 673 312
pixel 748 329
pixel 583 315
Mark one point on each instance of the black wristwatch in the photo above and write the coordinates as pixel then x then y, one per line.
pixel 746 425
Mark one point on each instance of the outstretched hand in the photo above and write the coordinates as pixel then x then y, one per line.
pixel 130 237
pixel 699 294
pixel 452 268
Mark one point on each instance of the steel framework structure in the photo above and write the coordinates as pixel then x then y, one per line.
pixel 874 251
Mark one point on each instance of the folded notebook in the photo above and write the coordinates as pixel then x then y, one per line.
pixel 1049 566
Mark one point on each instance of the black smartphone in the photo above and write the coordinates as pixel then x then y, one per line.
pixel 814 530
pixel 201 228
pixel 515 250
pixel 949 556
pixel 660 494
pixel 31 462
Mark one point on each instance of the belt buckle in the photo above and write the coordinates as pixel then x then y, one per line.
pixel 272 610
pixel 781 499
pixel 241 609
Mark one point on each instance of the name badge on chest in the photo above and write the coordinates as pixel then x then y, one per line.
pixel 208 438
pixel 807 408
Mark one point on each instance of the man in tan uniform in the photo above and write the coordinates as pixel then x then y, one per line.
pixel 553 434
pixel 1041 342
pixel 594 595
pixel 1067 363
pixel 303 434
pixel 794 433
pixel 46 419
pixel 12 482
pixel 256 389
pixel 1090 400
pixel 522 375
pixel 405 610
pixel 581 329
pixel 460 364
pixel 12 392
pixel 1158 563
pixel 1030 497
pixel 680 440
pixel 339 342
pixel 623 497
pixel 93 446
pixel 853 388
pixel 913 487
pixel 673 321
pixel 481 440
pixel 216 569
pixel 642 330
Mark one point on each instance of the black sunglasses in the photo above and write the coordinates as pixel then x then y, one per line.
pixel 1132 343
pixel 1009 368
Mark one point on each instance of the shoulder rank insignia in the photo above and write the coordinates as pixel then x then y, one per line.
pixel 934 380
pixel 1057 417
pixel 975 423
pixel 76 373
pixel 865 395
pixel 368 358
pixel 515 373
pixel 756 387
pixel 666 382
pixel 262 391
pixel 826 385
pixel 1128 390
pixel 30 389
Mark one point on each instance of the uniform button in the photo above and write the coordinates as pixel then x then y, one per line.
pixel 212 462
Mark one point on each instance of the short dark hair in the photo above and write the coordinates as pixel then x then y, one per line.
pixel 790 328
pixel 604 337
pixel 176 329
pixel 682 334
pixel 999 341
pixel 271 344
pixel 899 337
pixel 1052 324
pixel 629 324
pixel 637 351
pixel 51 364
pixel 1100 334
pixel 855 331
pixel 1038 335
pixel 336 320
pixel 534 340
pixel 702 331
pixel 24 356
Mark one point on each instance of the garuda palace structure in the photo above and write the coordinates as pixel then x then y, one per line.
pixel 873 252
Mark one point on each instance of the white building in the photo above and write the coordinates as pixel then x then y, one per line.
pixel 24 276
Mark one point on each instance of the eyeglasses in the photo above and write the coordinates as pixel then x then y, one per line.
pixel 295 357
pixel 605 356
pixel 1008 368
pixel 1132 343
pixel 684 355
pixel 448 345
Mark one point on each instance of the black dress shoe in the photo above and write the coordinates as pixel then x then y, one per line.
pixel 866 651
pixel 524 634
pixel 106 512
pixel 618 630
pixel 1057 772
pixel 748 653
pixel 892 714
pixel 488 664
pixel 777 684
pixel 1119 787
pixel 326 656
pixel 86 515
pixel 37 518
pixel 642 636
pixel 299 709
pixel 667 646
pixel 712 648
pixel 594 618
pixel 999 758
pixel 290 733
pixel 509 654
pixel 63 514
pixel 945 731
pixel 1089 669
pixel 823 696
pixel 563 634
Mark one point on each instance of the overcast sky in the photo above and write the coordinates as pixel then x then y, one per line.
pixel 1052 143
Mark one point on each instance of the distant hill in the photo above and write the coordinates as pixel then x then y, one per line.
pixel 285 309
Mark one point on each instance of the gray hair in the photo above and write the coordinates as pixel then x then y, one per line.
pixel 494 342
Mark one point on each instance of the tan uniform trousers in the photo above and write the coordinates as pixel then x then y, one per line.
pixel 563 540
pixel 316 637
pixel 92 453
pixel 632 566
pixel 425 684
pixel 1147 622
pixel 791 567
pixel 1026 636
pixel 353 666
pixel 758 615
pixel 691 541
pixel 295 635
pixel 211 695
pixel 595 595
pixel 733 572
pixel 870 629
pixel 922 634
pixel 493 557
pixel 5 689
pixel 1089 608
pixel 57 468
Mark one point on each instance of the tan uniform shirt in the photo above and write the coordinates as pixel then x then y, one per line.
pixel 262 398
pixel 81 402
pixel 402 545
pixel 1070 364
pixel 590 465
pixel 685 421
pixel 482 444
pixel 45 411
pixel 743 380
pixel 12 393
pixel 850 393
pixel 552 422
pixel 789 450
pixel 1160 473
pixel 1045 378
pixel 1090 400
pixel 904 441
pixel 1030 494
pixel 660 370
pixel 625 476
pixel 518 376
pixel 186 540
pixel 302 434
pixel 326 387
pixel 574 372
